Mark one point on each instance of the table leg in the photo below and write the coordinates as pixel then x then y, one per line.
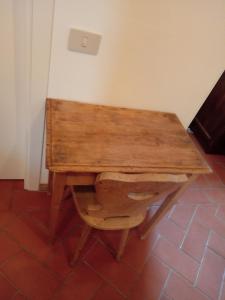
pixel 167 204
pixel 50 178
pixel 58 184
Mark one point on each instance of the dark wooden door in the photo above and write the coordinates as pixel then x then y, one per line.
pixel 209 123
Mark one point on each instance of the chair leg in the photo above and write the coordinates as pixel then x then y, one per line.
pixel 84 235
pixel 122 244
pixel 164 208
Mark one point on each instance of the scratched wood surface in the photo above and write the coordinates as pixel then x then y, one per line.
pixel 96 138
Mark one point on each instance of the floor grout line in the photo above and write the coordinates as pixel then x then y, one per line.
pixel 201 262
pixel 11 283
pixel 97 290
pixel 222 286
pixel 19 293
pixel 9 258
pixel 53 273
pixel 170 267
pixel 105 280
pixel 189 226
pixel 177 225
pixel 67 277
pixel 165 284
pixel 171 270
pixel 191 285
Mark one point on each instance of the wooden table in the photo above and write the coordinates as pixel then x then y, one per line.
pixel 85 139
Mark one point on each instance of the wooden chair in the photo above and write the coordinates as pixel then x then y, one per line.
pixel 120 202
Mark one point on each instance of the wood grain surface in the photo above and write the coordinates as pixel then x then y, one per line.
pixel 95 138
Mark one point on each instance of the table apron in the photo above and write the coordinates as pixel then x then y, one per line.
pixel 84 178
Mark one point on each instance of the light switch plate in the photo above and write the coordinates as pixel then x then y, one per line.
pixel 84 41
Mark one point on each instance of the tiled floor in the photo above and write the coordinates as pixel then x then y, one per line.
pixel 184 258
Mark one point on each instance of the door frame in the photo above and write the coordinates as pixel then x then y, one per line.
pixel 39 22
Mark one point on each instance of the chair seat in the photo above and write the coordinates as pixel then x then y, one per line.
pixel 120 201
pixel 86 201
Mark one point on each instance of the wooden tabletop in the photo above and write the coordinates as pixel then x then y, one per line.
pixel 95 138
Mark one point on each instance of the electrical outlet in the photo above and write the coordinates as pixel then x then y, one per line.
pixel 84 41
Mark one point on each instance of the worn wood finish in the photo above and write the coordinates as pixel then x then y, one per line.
pixel 111 206
pixel 50 182
pixel 58 185
pixel 95 138
pixel 131 194
pixel 85 201
pixel 84 236
pixel 80 179
pixel 84 140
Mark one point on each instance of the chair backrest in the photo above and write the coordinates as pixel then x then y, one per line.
pixel 127 195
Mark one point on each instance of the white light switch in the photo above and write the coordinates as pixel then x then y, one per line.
pixel 84 41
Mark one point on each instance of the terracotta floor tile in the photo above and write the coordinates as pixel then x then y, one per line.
pixel 19 296
pixel 18 185
pixel 193 196
pixel 195 241
pixel 68 220
pixel 216 196
pixel 38 221
pixel 182 214
pixel 40 217
pixel 217 244
pixel 164 297
pixel 6 184
pixel 6 218
pixel 28 239
pixel 137 250
pixel 70 242
pixel 211 274
pixel 220 171
pixel 200 182
pixel 6 194
pixel 221 212
pixel 214 180
pixel 178 288
pixel 140 275
pixel 116 272
pixel 222 297
pixel 106 292
pixel 26 201
pixel 82 284
pixel 6 289
pixel 151 281
pixel 176 259
pixel 170 230
pixel 37 227
pixel 210 159
pixel 57 259
pixel 8 247
pixel 217 159
pixel 206 216
pixel 112 237
pixel 35 281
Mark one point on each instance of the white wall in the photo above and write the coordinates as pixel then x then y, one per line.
pixel 155 54
pixel 40 46
pixel 12 116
